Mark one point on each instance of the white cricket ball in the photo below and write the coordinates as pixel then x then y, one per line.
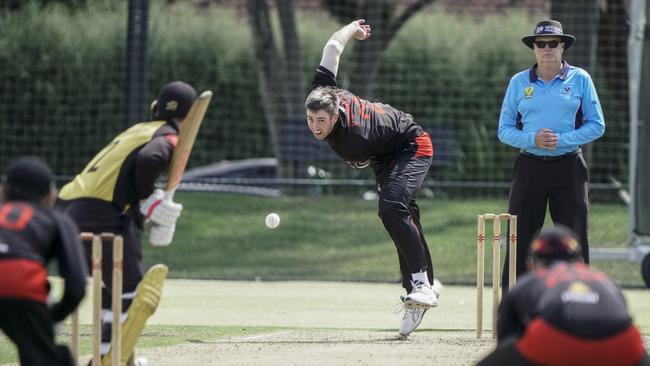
pixel 272 220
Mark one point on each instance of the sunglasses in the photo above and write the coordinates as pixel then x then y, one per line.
pixel 551 44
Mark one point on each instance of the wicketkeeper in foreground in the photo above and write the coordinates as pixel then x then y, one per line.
pixel 564 313
pixel 399 152
pixel 115 193
pixel 31 236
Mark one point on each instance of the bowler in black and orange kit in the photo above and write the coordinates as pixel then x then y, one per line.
pixel 565 313
pixel 365 133
pixel 31 235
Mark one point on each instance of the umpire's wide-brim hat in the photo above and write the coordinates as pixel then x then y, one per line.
pixel 549 28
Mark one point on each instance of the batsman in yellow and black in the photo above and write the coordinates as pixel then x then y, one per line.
pixel 115 193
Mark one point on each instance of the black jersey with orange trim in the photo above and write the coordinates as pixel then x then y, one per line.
pixel 366 130
pixel 30 237
pixel 126 169
pixel 570 297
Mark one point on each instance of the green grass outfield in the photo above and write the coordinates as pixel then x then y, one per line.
pixel 202 322
pixel 328 238
pixel 335 237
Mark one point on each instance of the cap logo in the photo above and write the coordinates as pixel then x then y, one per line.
pixel 171 105
pixel 579 293
pixel 570 244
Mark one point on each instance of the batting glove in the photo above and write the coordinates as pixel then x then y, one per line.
pixel 159 210
pixel 161 235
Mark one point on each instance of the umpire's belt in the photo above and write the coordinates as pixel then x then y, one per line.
pixel 549 157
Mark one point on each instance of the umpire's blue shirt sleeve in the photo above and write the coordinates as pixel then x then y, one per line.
pixel 594 122
pixel 508 132
pixel 551 105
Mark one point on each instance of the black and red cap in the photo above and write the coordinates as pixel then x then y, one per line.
pixel 555 244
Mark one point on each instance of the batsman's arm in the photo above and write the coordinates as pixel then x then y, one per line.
pixel 152 160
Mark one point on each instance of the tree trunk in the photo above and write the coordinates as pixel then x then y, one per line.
pixel 295 87
pixel 367 55
pixel 281 81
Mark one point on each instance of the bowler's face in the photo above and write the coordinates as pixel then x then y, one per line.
pixel 321 123
pixel 548 55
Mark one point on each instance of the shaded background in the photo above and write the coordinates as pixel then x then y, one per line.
pixel 75 73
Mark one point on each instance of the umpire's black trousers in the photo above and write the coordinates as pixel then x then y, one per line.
pixel 562 184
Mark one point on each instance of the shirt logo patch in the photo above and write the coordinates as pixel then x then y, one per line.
pixel 567 89
pixel 528 92
pixel 580 293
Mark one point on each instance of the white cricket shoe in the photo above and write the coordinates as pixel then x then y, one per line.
pixel 140 361
pixel 422 295
pixel 411 319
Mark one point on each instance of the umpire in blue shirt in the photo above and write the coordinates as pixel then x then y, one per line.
pixel 549 111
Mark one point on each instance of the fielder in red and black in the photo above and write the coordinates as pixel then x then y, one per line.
pixel 399 152
pixel 31 235
pixel 565 313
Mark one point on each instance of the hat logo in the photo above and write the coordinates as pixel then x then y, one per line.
pixel 548 29
pixel 171 105
pixel 528 92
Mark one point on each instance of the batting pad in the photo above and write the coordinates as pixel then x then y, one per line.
pixel 144 304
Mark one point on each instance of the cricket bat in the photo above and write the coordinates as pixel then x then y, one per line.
pixel 189 128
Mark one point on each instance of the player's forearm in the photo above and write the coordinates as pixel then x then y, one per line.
pixel 589 132
pixel 150 162
pixel 334 47
pixel 72 267
pixel 345 34
pixel 331 55
pixel 515 138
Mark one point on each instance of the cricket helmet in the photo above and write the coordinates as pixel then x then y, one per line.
pixel 174 100
pixel 555 244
